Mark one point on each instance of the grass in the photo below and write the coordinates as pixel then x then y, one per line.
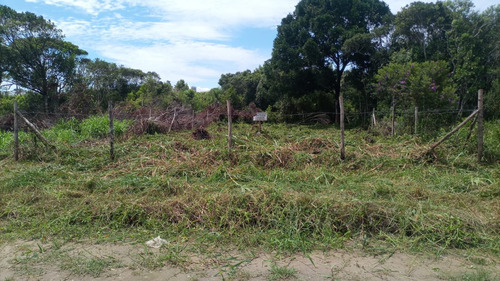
pixel 92 266
pixel 478 275
pixel 284 190
pixel 34 263
pixel 281 273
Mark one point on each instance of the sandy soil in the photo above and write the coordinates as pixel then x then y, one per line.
pixel 24 260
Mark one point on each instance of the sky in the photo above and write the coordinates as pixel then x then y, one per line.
pixel 194 40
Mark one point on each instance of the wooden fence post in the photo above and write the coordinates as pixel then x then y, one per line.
pixel 229 126
pixel 192 119
pixel 111 132
pixel 342 129
pixel 393 122
pixel 416 120
pixel 173 120
pixel 16 133
pixel 35 130
pixel 480 126
pixel 453 131
pixel 374 119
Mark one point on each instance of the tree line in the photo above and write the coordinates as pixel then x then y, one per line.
pixel 428 55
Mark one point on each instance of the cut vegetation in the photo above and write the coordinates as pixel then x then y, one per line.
pixel 283 191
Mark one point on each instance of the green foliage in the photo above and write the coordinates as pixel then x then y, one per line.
pixel 38 57
pixel 98 127
pixel 492 140
pixel 106 81
pixel 202 100
pixel 7 140
pixel 151 93
pixel 237 99
pixel 421 28
pixel 244 83
pixel 426 85
pixel 316 44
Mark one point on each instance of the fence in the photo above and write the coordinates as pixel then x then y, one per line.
pixel 182 118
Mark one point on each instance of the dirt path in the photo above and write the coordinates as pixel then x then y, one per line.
pixel 35 261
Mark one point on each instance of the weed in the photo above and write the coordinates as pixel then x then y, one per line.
pixel 92 266
pixel 281 272
pixel 478 275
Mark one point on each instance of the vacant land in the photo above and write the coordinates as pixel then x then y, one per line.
pixel 279 199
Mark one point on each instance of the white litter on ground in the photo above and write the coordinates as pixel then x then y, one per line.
pixel 156 242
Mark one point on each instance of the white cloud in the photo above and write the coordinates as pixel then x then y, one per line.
pixel 89 6
pixel 194 62
pixel 257 12
pixel 173 38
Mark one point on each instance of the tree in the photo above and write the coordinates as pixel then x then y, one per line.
pixel 426 85
pixel 318 42
pixel 38 57
pixel 421 28
pixel 107 81
pixel 473 47
pixel 149 93
pixel 181 86
pixel 244 83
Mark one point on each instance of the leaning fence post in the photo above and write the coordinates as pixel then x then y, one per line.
pixel 16 133
pixel 480 126
pixel 229 126
pixel 111 132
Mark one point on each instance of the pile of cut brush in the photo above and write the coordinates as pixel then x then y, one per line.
pixel 180 117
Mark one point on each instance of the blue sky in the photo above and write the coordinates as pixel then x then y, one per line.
pixel 194 40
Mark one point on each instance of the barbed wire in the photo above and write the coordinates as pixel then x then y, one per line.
pixel 377 112
pixel 168 114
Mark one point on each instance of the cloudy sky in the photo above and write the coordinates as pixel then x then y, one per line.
pixel 194 40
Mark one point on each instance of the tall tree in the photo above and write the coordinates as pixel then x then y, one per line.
pixel 421 28
pixel 107 81
pixel 38 57
pixel 318 41
pixel 244 83
pixel 473 45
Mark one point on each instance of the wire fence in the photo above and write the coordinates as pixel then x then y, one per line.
pixel 179 117
pixel 184 118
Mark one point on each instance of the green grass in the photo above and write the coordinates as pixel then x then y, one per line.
pixel 277 273
pixel 284 190
pixel 478 275
pixel 92 266
pixel 34 263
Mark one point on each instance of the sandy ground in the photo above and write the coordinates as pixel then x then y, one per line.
pixel 24 260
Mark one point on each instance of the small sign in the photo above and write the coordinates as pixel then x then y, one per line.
pixel 261 116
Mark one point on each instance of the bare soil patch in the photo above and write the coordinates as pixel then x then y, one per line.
pixel 23 260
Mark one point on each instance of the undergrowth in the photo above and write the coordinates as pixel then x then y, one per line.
pixel 284 190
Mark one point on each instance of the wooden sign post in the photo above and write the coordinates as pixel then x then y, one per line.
pixel 259 118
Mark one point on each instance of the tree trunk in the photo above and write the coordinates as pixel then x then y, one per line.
pixel 46 103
